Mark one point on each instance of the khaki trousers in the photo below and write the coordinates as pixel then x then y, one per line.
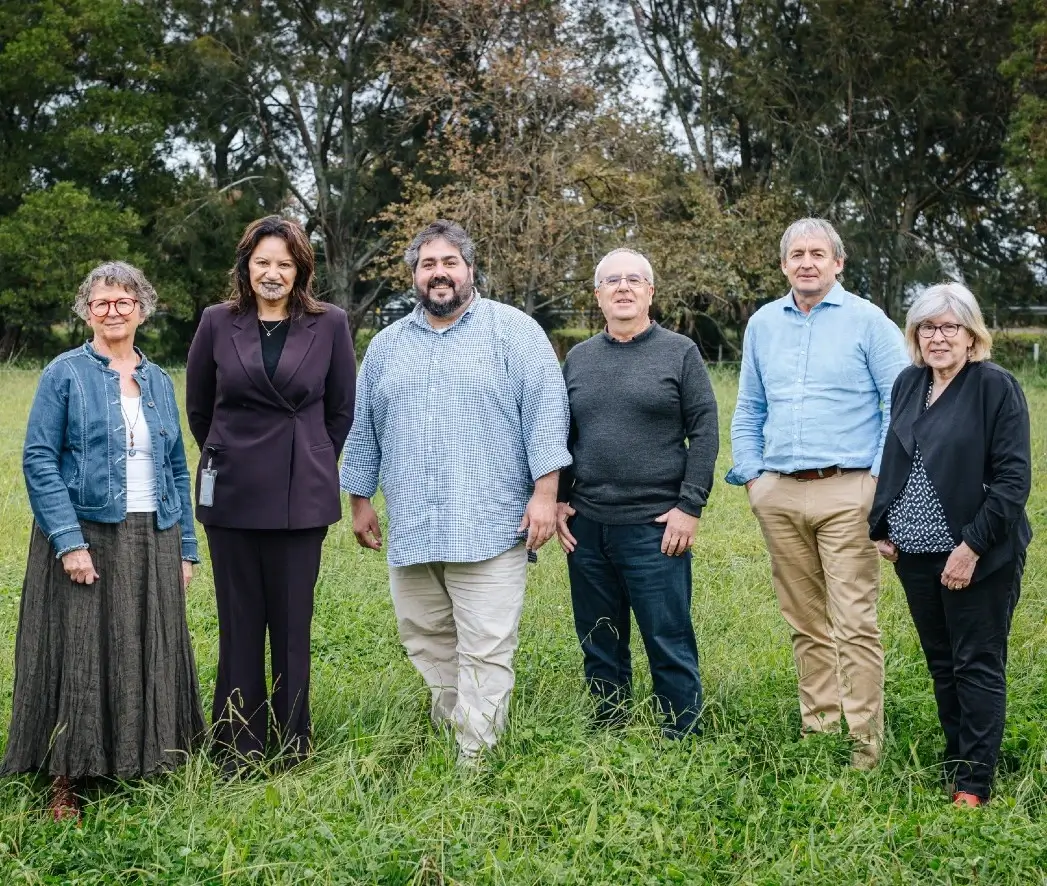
pixel 459 623
pixel 826 574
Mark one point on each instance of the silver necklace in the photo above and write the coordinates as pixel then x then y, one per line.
pixel 268 331
pixel 131 425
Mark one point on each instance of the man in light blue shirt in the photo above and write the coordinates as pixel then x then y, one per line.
pixel 814 398
pixel 462 416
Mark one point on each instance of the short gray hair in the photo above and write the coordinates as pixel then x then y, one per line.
pixel 935 301
pixel 620 251
pixel 116 273
pixel 442 229
pixel 813 227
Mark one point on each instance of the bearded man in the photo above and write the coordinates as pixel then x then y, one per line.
pixel 463 413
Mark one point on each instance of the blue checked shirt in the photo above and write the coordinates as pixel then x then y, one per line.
pixel 815 389
pixel 457 424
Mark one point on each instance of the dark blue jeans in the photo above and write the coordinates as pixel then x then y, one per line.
pixel 964 638
pixel 613 569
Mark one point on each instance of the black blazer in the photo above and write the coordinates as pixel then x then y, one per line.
pixel 274 444
pixel 975 445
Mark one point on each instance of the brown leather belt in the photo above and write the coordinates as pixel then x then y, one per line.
pixel 820 473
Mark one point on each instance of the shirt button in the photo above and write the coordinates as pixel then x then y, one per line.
pixel 163 433
pixel 151 404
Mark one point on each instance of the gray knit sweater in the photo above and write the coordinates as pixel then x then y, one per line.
pixel 633 406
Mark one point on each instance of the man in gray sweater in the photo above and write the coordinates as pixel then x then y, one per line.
pixel 644 438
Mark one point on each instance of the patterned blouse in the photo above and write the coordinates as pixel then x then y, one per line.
pixel 916 520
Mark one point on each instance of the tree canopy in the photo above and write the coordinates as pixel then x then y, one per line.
pixel 694 130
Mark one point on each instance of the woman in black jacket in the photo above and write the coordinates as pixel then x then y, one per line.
pixel 949 512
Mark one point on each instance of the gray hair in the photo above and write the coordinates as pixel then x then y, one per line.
pixel 116 273
pixel 813 227
pixel 935 301
pixel 622 250
pixel 442 229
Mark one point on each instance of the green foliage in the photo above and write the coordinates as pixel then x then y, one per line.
pixel 381 801
pixel 565 339
pixel 1014 348
pixel 1027 69
pixel 888 118
pixel 47 246
pixel 367 119
pixel 362 340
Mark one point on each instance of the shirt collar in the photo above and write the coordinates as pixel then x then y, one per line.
pixel 143 361
pixel 833 297
pixel 640 336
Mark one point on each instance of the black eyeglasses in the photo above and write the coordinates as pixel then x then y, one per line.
pixel 949 330
pixel 124 306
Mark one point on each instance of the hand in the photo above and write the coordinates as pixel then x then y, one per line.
pixel 365 524
pixel 79 567
pixel 539 520
pixel 567 541
pixel 187 574
pixel 887 550
pixel 959 567
pixel 679 532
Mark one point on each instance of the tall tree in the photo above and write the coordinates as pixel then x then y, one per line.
pixel 309 93
pixel 1027 69
pixel 521 145
pixel 888 118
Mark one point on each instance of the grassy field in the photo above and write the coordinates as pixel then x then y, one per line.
pixel 381 801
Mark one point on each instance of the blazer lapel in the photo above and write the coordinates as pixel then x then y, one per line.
pixel 249 349
pixel 938 423
pixel 299 339
pixel 909 410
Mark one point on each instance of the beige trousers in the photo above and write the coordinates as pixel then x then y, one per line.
pixel 826 574
pixel 459 623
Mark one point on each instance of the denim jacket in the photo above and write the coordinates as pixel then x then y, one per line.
pixel 75 455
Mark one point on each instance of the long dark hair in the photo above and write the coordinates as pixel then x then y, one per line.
pixel 302 301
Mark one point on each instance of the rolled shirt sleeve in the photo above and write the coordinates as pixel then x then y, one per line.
pixel 886 357
pixel 544 411
pixel 750 416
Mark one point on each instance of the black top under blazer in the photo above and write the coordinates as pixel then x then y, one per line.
pixel 975 445
pixel 275 444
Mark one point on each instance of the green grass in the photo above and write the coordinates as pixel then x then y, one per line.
pixel 381 800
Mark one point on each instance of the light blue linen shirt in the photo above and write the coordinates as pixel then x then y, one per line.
pixel 457 424
pixel 815 389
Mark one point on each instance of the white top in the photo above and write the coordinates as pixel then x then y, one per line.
pixel 141 471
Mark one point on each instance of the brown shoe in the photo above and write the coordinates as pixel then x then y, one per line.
pixel 962 798
pixel 865 757
pixel 64 805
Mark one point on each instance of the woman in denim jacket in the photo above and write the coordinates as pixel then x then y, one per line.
pixel 105 682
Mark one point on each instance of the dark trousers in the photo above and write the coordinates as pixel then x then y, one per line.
pixel 964 637
pixel 263 580
pixel 613 569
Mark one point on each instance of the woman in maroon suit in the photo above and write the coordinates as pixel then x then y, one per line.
pixel 270 385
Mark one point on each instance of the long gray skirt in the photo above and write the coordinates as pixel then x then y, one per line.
pixel 105 681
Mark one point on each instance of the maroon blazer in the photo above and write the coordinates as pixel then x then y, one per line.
pixel 274 444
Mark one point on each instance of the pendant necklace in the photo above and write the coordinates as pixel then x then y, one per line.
pixel 268 331
pixel 131 451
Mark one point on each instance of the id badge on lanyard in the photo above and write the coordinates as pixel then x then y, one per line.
pixel 207 480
